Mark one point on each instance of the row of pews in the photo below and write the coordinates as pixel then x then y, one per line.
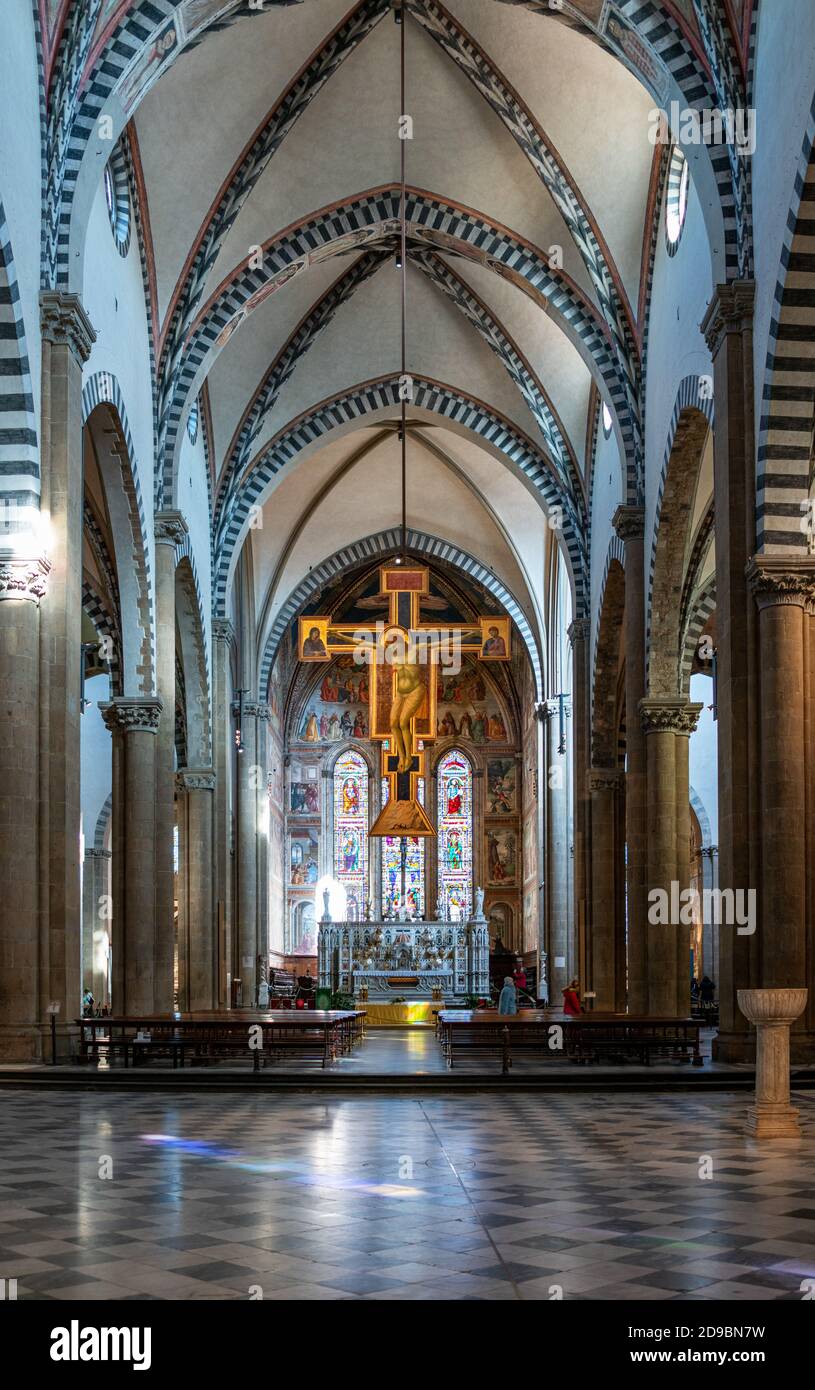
pixel 264 1036
pixel 549 1035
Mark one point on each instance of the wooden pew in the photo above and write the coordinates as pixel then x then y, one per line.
pixel 585 1039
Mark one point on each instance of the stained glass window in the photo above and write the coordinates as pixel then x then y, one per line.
pixel 455 842
pixel 392 866
pixel 351 831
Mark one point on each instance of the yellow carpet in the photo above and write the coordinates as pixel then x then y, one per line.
pixel 414 1011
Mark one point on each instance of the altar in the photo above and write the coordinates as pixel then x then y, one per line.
pixel 404 960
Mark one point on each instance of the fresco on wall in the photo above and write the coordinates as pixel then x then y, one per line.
pixel 338 708
pixel 501 857
pixel 466 708
pixel 304 798
pixel 303 940
pixel 501 787
pixel 304 851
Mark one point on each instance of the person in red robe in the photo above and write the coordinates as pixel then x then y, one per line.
pixel 571 999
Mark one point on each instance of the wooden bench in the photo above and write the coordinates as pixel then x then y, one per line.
pixel 208 1037
pixel 585 1039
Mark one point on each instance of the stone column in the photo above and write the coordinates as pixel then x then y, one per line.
pixel 67 338
pixel 773 1011
pixel 22 587
pixel 170 528
pixel 784 590
pixel 135 721
pixel 728 331
pixel 252 856
pixel 667 723
pixel 578 634
pixel 556 850
pixel 604 786
pixel 96 920
pixel 629 523
pixel 197 935
pixel 223 637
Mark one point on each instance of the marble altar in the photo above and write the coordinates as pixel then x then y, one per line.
pixel 408 960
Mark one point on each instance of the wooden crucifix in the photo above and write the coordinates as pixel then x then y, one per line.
pixel 404 656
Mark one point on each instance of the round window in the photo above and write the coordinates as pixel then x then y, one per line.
pixel 677 202
pixel 117 200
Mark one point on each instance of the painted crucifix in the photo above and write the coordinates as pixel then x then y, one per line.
pixel 404 656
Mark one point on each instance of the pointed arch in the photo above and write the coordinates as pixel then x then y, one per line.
pixel 366 551
pixel 785 444
pixel 690 425
pixel 105 416
pixel 455 829
pixel 19 451
pixel 464 412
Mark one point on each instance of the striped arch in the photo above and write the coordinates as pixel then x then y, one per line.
pixel 691 419
pixel 377 547
pixel 703 818
pixel 382 393
pixel 19 456
pixel 293 350
pixel 143 40
pixel 610 612
pixel 550 169
pixel 195 649
pixel 130 529
pixel 95 604
pixel 702 605
pixel 102 823
pixel 312 324
pixel 357 224
pixel 702 542
pixel 497 339
pixel 785 445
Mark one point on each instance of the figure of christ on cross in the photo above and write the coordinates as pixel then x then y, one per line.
pixel 408 698
pixel 404 657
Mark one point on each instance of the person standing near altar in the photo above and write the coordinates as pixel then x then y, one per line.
pixel 508 998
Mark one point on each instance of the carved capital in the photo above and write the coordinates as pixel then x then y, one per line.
pixel 169 528
pixel 65 323
pixel 669 715
pixel 729 311
pixel 25 579
pixel 782 579
pixel 578 630
pixel 195 779
pixel 222 630
pixel 132 714
pixel 604 779
pixel 629 523
pixel 252 709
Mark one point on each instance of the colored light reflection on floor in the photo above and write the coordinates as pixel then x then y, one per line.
pixel 299 1172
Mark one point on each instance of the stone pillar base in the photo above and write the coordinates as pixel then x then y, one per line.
pixel 774 1120
pixel 19 1043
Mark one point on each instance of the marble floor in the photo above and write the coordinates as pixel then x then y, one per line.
pixel 615 1196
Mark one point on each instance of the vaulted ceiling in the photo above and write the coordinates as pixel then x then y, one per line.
pixel 271 167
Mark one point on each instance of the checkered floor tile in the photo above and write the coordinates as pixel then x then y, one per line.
pixel 623 1196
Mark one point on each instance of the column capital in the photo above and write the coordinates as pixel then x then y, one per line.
pixel 129 713
pixel 253 708
pixel 669 715
pixel 782 579
pixel 222 630
pixel 63 321
pixel 729 311
pixel 578 630
pixel 24 579
pixel 169 528
pixel 195 779
pixel 605 779
pixel 629 523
